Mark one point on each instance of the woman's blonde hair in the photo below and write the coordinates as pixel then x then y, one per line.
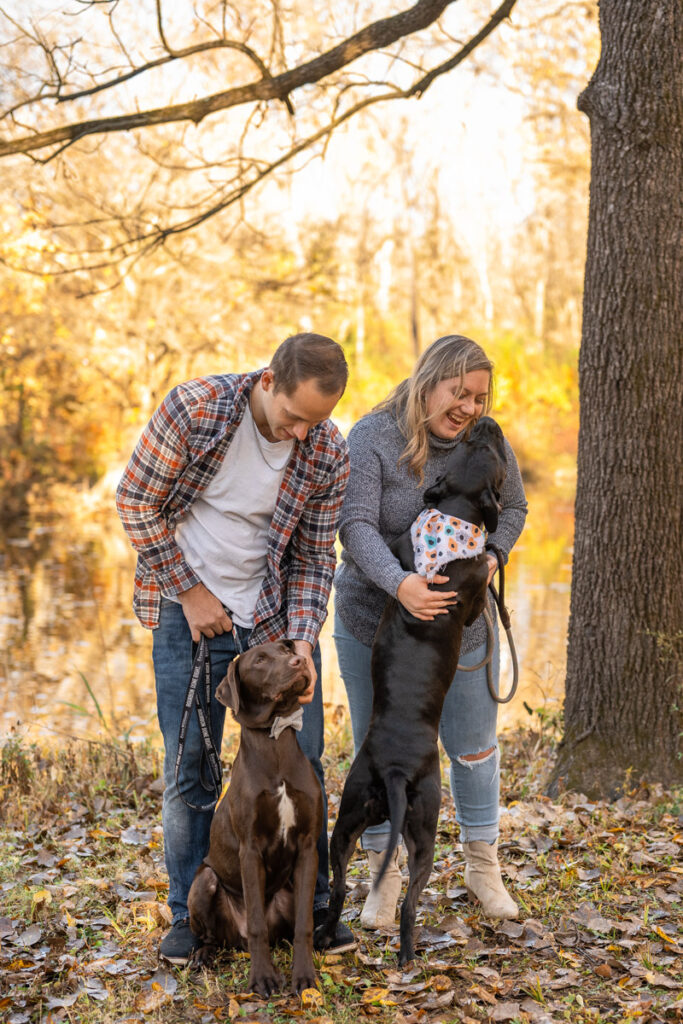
pixel 446 358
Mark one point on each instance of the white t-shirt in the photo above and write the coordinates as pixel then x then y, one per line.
pixel 224 536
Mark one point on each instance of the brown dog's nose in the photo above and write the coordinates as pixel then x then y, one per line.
pixel 296 661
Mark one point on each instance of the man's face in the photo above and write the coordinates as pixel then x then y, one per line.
pixel 290 417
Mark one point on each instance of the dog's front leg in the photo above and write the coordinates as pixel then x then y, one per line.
pixel 305 871
pixel 263 976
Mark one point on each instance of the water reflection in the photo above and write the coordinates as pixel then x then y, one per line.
pixel 75 661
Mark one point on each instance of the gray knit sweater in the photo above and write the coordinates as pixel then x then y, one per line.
pixel 382 500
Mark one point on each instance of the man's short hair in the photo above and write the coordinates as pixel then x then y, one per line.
pixel 308 356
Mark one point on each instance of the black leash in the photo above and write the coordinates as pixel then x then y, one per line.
pixel 201 701
pixel 499 599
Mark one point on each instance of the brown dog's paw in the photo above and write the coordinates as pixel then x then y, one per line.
pixel 303 973
pixel 265 982
pixel 302 978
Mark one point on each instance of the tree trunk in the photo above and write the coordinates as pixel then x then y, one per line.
pixel 623 689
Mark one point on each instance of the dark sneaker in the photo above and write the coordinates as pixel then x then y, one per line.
pixel 178 945
pixel 342 940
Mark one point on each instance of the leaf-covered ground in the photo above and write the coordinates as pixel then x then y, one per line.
pixel 600 936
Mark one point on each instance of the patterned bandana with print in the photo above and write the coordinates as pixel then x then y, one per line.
pixel 439 539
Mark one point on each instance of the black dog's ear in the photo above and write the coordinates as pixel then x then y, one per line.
pixel 490 507
pixel 228 691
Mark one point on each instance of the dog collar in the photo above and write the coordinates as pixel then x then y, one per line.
pixel 439 539
pixel 280 723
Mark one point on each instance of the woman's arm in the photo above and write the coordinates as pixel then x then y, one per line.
pixel 360 516
pixel 359 532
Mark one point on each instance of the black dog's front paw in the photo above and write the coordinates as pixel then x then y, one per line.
pixel 322 937
pixel 205 955
pixel 405 955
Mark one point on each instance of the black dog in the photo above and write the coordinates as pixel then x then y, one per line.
pixel 396 772
pixel 256 884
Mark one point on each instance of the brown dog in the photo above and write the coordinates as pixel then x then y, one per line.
pixel 256 884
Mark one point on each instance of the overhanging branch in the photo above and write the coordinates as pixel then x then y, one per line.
pixel 378 34
pixel 126 253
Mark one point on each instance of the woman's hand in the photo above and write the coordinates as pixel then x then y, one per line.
pixel 493 567
pixel 416 597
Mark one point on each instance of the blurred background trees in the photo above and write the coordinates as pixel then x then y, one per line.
pixel 386 233
pixel 200 179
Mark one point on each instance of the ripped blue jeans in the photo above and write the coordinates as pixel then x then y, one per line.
pixel 468 726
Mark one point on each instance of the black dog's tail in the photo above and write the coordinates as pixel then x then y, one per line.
pixel 395 784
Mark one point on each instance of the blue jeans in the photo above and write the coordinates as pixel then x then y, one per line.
pixel 468 726
pixel 186 831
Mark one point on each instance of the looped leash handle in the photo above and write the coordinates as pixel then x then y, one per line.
pixel 201 665
pixel 499 598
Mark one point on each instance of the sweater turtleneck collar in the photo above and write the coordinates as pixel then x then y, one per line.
pixel 442 443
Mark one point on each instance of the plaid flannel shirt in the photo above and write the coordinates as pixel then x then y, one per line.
pixel 180 450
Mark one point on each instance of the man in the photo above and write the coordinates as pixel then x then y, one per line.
pixel 231 499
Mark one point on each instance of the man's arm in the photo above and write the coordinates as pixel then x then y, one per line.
pixel 311 569
pixel 313 558
pixel 159 459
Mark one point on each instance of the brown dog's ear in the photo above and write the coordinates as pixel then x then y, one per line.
pixel 490 507
pixel 228 691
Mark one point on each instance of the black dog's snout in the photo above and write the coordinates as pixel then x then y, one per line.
pixel 433 492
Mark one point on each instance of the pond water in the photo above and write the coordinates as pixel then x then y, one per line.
pixel 75 662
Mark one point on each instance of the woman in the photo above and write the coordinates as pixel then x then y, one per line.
pixel 397 451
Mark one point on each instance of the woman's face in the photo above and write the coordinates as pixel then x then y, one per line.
pixel 448 413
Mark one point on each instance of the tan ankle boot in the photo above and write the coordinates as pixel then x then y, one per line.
pixel 380 906
pixel 483 881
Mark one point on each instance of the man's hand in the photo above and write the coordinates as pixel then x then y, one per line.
pixel 204 612
pixel 414 594
pixel 305 649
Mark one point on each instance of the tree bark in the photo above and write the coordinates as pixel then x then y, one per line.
pixel 623 688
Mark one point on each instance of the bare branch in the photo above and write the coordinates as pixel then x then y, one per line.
pixel 188 51
pixel 499 15
pixel 140 233
pixel 57 94
pixel 146 242
pixel 160 27
pixel 373 36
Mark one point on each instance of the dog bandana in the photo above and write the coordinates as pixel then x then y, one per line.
pixel 439 539
pixel 295 720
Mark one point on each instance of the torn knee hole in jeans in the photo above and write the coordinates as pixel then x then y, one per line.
pixel 472 760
